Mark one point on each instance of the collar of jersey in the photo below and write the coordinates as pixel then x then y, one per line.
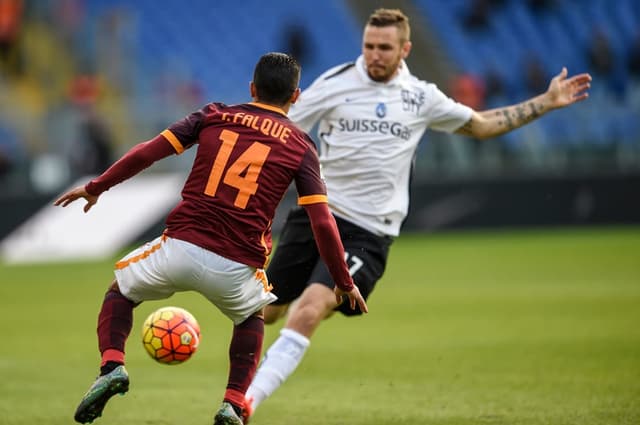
pixel 268 107
pixel 362 70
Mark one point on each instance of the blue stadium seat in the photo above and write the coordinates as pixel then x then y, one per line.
pixel 217 43
pixel 558 36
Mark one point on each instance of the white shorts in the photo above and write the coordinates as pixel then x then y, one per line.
pixel 166 265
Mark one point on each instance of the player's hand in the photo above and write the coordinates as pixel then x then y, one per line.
pixel 564 91
pixel 354 298
pixel 76 193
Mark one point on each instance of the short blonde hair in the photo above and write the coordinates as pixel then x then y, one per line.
pixel 391 17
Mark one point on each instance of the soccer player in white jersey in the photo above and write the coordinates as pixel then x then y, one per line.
pixel 371 115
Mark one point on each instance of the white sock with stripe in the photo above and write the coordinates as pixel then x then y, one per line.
pixel 279 362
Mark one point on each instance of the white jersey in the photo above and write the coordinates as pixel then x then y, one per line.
pixel 368 133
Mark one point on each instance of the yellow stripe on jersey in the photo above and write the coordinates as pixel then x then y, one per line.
pixel 269 107
pixel 313 199
pixel 173 140
pixel 264 244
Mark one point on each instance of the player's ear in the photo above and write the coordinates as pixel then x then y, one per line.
pixel 295 95
pixel 406 49
pixel 253 90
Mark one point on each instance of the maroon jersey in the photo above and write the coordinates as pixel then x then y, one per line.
pixel 247 157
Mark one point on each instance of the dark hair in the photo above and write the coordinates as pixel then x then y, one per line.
pixel 276 78
pixel 391 17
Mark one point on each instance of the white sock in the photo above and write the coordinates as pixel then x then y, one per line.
pixel 279 362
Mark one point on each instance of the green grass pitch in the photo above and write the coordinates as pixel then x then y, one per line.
pixel 473 328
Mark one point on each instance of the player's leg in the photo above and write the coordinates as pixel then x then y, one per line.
pixel 240 292
pixel 244 354
pixel 273 313
pixel 289 271
pixel 135 271
pixel 316 303
pixel 114 325
pixel 366 257
pixel 286 353
pixel 141 275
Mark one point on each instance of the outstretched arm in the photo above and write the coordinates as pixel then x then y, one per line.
pixel 562 92
pixel 137 159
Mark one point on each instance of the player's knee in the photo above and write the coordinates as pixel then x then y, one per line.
pixel 114 287
pixel 305 318
pixel 274 312
pixel 114 291
pixel 312 311
pixel 318 297
pixel 259 314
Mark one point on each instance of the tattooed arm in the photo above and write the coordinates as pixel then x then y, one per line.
pixel 562 92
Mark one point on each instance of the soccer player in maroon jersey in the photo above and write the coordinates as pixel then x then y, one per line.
pixel 218 238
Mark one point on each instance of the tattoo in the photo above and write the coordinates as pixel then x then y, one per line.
pixel 503 120
pixel 534 113
pixel 466 129
pixel 520 113
pixel 507 117
pixel 516 116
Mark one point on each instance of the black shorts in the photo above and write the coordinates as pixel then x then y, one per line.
pixel 296 262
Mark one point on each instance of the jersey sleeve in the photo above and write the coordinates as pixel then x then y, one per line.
pixel 134 161
pixel 330 247
pixel 309 183
pixel 184 133
pixel 446 114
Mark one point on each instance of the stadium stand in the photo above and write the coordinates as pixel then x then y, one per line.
pixel 153 64
pixel 215 42
pixel 149 63
pixel 555 33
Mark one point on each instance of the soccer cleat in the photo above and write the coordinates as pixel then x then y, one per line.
pixel 104 387
pixel 227 416
pixel 247 410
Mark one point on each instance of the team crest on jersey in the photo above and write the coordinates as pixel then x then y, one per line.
pixel 381 110
pixel 412 101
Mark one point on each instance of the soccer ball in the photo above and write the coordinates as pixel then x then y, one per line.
pixel 170 335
